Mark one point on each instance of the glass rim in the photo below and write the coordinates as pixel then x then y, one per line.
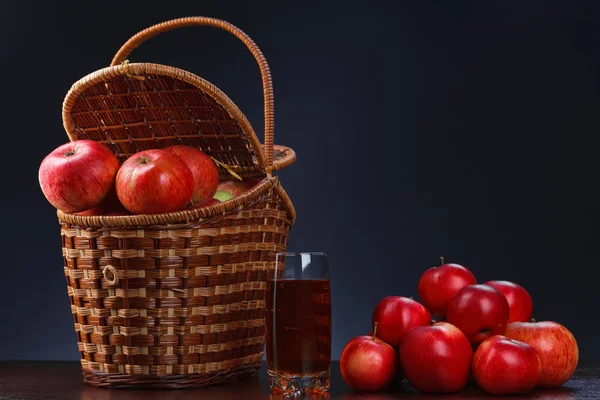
pixel 297 253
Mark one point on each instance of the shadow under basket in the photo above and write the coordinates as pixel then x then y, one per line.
pixel 174 300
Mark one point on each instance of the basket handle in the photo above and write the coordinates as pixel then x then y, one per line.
pixel 157 29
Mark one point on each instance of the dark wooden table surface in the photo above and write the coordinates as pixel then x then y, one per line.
pixel 29 380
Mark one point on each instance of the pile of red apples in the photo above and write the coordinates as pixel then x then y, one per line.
pixel 84 177
pixel 485 333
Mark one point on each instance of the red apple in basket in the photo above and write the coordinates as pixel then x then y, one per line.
pixel 78 175
pixel 111 205
pixel 153 182
pixel 480 311
pixel 368 363
pixel 236 187
pixel 439 284
pixel 505 366
pixel 555 345
pixel 396 315
pixel 437 358
pixel 206 175
pixel 519 301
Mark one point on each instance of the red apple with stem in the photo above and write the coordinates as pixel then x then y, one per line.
pixel 78 175
pixel 555 345
pixel 439 284
pixel 368 363
pixel 437 358
pixel 505 366
pixel 396 315
pixel 480 311
pixel 519 301
pixel 206 175
pixel 153 182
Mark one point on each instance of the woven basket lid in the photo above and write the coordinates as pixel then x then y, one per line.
pixel 140 106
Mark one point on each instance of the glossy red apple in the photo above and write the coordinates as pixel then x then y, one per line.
pixel 519 301
pixel 439 284
pixel 480 311
pixel 78 175
pixel 153 182
pixel 505 366
pixel 555 345
pixel 206 175
pixel 396 315
pixel 437 358
pixel 368 363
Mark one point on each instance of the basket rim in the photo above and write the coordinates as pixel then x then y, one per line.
pixel 126 71
pixel 183 217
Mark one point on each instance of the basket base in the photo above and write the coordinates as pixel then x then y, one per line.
pixel 125 381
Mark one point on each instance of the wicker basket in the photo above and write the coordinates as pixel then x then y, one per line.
pixel 174 300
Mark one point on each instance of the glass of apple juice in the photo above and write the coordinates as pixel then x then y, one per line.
pixel 298 325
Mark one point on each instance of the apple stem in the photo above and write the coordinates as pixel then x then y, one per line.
pixel 70 153
pixel 442 260
pixel 533 320
pixel 375 331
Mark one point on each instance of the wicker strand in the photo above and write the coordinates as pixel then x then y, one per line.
pixel 284 157
pixel 125 66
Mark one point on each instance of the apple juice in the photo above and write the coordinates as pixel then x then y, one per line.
pixel 298 330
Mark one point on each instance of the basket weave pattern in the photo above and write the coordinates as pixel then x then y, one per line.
pixel 174 300
pixel 187 300
pixel 129 115
pixel 116 105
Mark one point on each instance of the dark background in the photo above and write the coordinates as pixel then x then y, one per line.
pixel 422 129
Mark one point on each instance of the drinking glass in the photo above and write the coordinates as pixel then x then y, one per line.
pixel 298 330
